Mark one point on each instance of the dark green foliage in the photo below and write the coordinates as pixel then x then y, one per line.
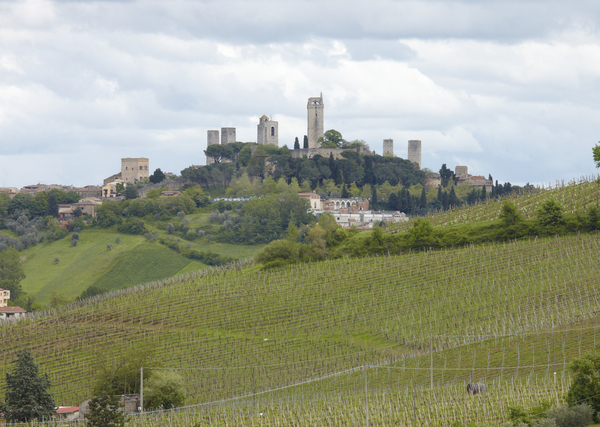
pixel 446 175
pixel 105 412
pixel 593 219
pixel 205 257
pixel 157 176
pixel 420 234
pixel 92 291
pixel 164 390
pixel 27 395
pixel 283 250
pixel 219 152
pixel 132 226
pixel 517 414
pixel 296 144
pixel 11 272
pixel 550 213
pixel 575 416
pixel 585 384
pixel 305 143
pixel 122 376
pixel 131 192
pixel 509 214
pixel 596 155
pixel 374 202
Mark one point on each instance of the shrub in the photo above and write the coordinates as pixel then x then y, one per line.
pixel 164 390
pixel 576 416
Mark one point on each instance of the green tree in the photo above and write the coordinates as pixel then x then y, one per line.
pixel 52 205
pixel 105 411
pixel 164 391
pixel 331 139
pixel 57 300
pixel 305 145
pixel 550 213
pixel 420 234
pixel 122 375
pixel 157 176
pixel 11 272
pixel 219 152
pixel 374 201
pixel 596 153
pixel 27 395
pixel 296 144
pixel 445 175
pixel 131 192
pixel 509 214
pixel 585 385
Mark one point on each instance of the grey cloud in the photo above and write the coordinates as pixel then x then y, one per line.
pixel 368 49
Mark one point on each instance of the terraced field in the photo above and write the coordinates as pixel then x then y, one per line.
pixel 515 312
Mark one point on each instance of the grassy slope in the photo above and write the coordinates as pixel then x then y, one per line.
pixel 335 315
pixel 130 262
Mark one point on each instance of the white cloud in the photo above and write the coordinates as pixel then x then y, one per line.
pixel 482 83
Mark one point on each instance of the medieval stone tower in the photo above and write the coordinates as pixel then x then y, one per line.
pixel 414 151
pixel 227 135
pixel 268 131
pixel 315 121
pixel 212 137
pixel 388 147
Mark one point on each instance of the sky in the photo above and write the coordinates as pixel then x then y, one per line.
pixel 507 88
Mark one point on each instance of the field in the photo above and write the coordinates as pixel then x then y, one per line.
pixel 574 196
pixel 510 314
pixel 131 262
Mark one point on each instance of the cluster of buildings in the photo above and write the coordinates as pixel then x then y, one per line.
pixel 268 133
pixel 350 212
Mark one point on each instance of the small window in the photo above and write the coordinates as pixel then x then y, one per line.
pixel 141 168
pixel 272 130
pixel 126 167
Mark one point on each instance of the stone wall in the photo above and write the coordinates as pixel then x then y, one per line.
pixel 267 131
pixel 227 135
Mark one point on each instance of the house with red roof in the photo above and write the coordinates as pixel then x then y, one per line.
pixel 67 412
pixel 7 312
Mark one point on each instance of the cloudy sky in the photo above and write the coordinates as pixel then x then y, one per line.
pixel 508 88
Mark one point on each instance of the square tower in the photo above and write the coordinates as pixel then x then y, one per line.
pixel 227 135
pixel 414 151
pixel 315 121
pixel 134 169
pixel 212 137
pixel 388 147
pixel 268 131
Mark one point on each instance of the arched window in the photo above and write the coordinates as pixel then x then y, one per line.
pixel 272 130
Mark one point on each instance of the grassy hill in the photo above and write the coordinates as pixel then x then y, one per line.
pixel 511 314
pixel 575 196
pixel 132 261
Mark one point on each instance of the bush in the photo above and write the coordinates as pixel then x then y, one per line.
pixel 576 416
pixel 132 226
pixel 164 390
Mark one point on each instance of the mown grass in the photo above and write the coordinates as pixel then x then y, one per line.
pixel 88 262
pixel 484 310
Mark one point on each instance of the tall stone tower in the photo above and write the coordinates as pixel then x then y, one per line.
pixel 212 137
pixel 414 151
pixel 268 131
pixel 134 169
pixel 388 147
pixel 315 121
pixel 227 135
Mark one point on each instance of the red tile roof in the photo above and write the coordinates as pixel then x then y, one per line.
pixel 67 409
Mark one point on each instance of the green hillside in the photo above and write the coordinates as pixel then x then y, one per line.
pixel 513 312
pixel 132 261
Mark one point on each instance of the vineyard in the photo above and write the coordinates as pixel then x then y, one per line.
pixel 575 196
pixel 305 342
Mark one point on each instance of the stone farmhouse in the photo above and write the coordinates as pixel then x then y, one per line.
pixel 7 312
pixel 479 182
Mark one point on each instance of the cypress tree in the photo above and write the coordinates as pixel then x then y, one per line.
pixel 423 198
pixel 27 395
pixel 296 144
pixel 104 412
pixel 452 199
pixel 393 202
pixel 345 193
pixel 483 193
pixel 305 141
pixel 374 201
